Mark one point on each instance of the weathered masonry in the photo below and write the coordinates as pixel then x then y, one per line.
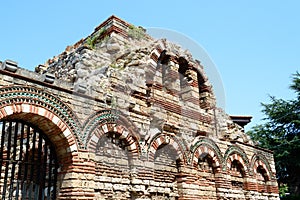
pixel 120 115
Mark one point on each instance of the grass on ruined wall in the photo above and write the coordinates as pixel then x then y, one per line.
pixel 133 32
pixel 136 32
pixel 94 39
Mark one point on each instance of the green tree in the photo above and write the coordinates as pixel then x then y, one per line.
pixel 281 134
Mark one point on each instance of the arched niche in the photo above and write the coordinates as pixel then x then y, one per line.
pixel 115 144
pixel 168 156
pixel 208 161
pixel 261 173
pixel 237 167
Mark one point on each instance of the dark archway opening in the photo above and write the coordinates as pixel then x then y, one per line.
pixel 28 162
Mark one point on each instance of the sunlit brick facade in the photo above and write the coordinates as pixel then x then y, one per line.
pixel 129 117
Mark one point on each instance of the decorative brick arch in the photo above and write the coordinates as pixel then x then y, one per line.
pixel 260 160
pixel 154 55
pixel 106 121
pixel 205 145
pixel 163 139
pixel 236 153
pixel 156 51
pixel 35 105
pixel 152 60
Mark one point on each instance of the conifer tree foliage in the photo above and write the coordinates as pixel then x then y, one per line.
pixel 281 134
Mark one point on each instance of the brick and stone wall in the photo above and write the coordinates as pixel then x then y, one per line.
pixel 132 117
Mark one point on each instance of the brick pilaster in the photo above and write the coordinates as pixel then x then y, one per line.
pixel 77 177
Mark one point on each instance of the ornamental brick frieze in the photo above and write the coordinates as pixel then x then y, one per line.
pixel 259 159
pixel 163 139
pixel 111 121
pixel 235 152
pixel 28 99
pixel 209 147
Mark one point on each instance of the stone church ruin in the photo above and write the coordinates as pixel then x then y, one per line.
pixel 120 115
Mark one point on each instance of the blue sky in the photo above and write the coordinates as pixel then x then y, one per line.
pixel 255 45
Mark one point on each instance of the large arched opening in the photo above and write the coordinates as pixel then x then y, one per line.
pixel 28 162
pixel 35 154
pixel 38 143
